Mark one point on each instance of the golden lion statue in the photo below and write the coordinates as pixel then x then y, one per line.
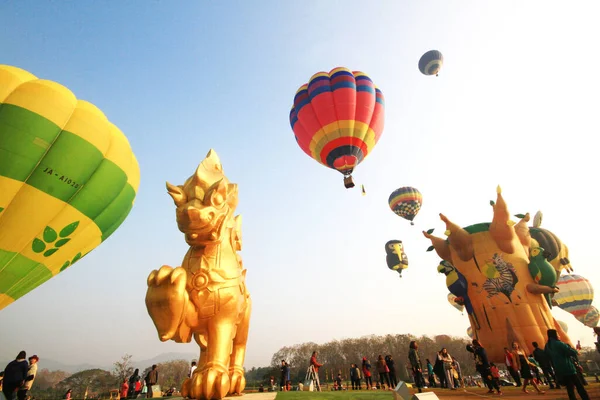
pixel 207 295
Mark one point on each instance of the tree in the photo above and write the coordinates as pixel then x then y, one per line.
pixel 170 373
pixel 123 368
pixel 338 355
pixel 95 381
pixel 45 378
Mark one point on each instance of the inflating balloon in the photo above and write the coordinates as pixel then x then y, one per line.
pixel 470 332
pixel 487 264
pixel 431 62
pixel 452 300
pixel 575 296
pixel 338 118
pixel 68 179
pixel 396 258
pixel 406 202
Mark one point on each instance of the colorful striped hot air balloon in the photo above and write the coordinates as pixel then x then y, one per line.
pixel 575 294
pixel 337 119
pixel 406 202
pixel 68 179
pixel 590 318
pixel 431 62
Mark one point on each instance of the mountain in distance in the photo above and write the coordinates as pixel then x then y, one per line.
pixel 54 365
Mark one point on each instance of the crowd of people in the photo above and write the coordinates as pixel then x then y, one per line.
pixel 134 386
pixel 557 361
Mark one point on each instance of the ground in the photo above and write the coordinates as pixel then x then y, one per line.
pixel 473 393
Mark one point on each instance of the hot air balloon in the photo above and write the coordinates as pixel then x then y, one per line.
pixel 431 62
pixel 537 219
pixel 396 258
pixel 337 119
pixel 406 202
pixel 470 332
pixel 564 326
pixel 68 179
pixel 453 303
pixel 575 295
pixel 590 318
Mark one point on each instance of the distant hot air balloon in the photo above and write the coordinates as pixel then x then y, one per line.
pixel 337 119
pixel 575 296
pixel 396 258
pixel 453 303
pixel 564 326
pixel 68 179
pixel 590 318
pixel 406 202
pixel 470 332
pixel 431 62
pixel 537 219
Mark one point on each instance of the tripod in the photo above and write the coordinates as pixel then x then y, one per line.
pixel 312 376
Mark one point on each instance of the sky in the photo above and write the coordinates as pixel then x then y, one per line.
pixel 515 104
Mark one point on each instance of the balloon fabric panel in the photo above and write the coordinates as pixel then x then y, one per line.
pixel 68 179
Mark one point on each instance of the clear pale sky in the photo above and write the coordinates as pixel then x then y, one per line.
pixel 515 104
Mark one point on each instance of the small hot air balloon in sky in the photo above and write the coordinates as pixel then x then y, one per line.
pixel 338 118
pixel 453 303
pixel 470 332
pixel 68 179
pixel 431 62
pixel 396 258
pixel 537 219
pixel 406 202
pixel 575 296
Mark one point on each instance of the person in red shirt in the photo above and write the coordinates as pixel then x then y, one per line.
pixel 315 364
pixel 124 389
pixel 138 387
pixel 509 360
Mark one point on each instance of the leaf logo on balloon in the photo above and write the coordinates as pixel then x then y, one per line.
pixel 50 237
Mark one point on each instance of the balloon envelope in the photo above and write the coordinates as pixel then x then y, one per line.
pixel 575 295
pixel 454 304
pixel 564 326
pixel 590 318
pixel 406 202
pixel 470 332
pixel 431 62
pixel 338 118
pixel 68 179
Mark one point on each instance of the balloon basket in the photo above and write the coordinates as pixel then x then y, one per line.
pixel 412 223
pixel 348 182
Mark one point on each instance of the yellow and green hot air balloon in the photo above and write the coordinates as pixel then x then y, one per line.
pixel 68 179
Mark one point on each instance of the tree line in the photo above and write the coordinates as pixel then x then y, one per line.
pixel 97 383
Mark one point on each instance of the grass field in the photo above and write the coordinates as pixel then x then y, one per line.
pixel 345 395
pixel 593 390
